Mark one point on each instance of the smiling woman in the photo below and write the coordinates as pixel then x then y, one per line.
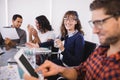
pixel 72 35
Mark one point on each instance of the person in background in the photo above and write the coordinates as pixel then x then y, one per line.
pixel 104 62
pixel 41 37
pixel 44 32
pixel 16 23
pixel 71 41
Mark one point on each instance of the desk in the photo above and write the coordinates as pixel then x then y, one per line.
pixel 6 56
pixel 9 54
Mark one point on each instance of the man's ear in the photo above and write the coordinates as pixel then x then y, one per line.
pixel 12 20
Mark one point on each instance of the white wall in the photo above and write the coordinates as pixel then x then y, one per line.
pixel 53 9
pixel 2 12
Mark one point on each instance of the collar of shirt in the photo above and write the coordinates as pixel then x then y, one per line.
pixel 102 51
pixel 116 56
pixel 72 33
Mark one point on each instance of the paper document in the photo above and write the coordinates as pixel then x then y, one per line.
pixel 9 32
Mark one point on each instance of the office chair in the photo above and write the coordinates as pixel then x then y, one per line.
pixel 88 49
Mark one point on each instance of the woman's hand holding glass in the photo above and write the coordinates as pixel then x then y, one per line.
pixel 32 30
pixel 59 44
pixel 30 27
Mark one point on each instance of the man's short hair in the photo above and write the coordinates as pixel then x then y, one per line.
pixel 111 7
pixel 16 16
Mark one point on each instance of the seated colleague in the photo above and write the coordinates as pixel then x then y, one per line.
pixel 104 62
pixel 16 23
pixel 43 35
pixel 44 30
pixel 71 42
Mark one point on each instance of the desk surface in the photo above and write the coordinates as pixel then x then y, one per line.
pixel 9 54
pixel 6 56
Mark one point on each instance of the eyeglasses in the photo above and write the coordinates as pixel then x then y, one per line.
pixel 98 23
pixel 69 19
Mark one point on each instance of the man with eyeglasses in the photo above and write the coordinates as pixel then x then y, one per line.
pixel 104 62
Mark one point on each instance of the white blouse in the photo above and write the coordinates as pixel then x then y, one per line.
pixel 45 36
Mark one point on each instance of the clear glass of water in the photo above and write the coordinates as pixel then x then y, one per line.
pixel 30 54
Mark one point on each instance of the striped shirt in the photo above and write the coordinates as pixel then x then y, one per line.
pixel 100 67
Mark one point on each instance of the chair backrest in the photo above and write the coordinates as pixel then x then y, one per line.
pixel 88 49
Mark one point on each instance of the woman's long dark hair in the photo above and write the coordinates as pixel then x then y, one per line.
pixel 44 23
